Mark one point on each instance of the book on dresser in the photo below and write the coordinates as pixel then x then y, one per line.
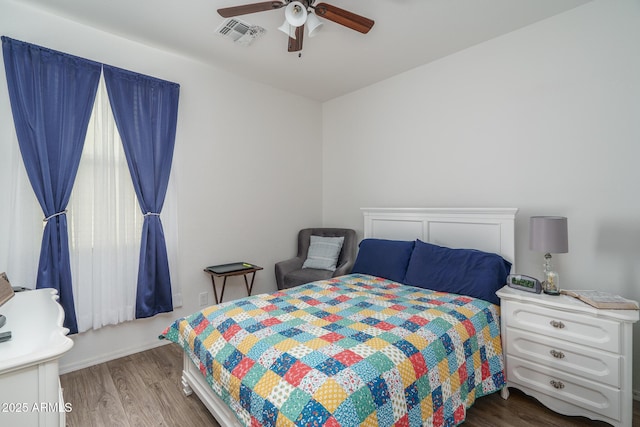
pixel 6 291
pixel 602 300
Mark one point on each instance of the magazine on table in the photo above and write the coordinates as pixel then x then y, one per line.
pixel 604 300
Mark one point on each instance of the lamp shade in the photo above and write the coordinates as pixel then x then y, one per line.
pixel 288 29
pixel 295 14
pixel 313 24
pixel 548 234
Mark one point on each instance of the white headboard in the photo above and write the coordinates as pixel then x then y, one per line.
pixel 486 229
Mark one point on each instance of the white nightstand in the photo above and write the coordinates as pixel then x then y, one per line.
pixel 574 358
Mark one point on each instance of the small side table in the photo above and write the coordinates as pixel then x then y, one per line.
pixel 233 269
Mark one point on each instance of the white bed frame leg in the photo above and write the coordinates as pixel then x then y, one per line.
pixel 186 388
pixel 504 393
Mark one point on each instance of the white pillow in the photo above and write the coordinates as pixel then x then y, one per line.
pixel 323 253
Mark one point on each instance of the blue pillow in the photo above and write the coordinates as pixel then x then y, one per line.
pixel 383 258
pixel 459 271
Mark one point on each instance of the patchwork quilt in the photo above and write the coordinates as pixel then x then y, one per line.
pixel 356 350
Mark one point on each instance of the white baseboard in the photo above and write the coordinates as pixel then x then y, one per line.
pixel 81 364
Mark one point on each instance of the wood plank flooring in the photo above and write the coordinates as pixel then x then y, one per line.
pixel 144 389
pixel 140 390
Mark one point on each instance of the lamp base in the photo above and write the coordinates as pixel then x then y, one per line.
pixel 551 283
pixel 550 291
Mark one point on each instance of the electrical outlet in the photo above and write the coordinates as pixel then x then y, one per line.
pixel 204 299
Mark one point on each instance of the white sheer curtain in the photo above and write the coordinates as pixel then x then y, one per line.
pixel 21 217
pixel 104 226
pixel 105 223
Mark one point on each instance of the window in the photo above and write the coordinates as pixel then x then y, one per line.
pixel 105 223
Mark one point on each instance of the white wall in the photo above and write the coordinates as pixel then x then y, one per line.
pixel 545 119
pixel 236 168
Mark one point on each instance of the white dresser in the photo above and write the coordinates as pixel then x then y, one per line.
pixel 30 393
pixel 572 357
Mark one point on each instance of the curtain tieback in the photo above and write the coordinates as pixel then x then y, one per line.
pixel 54 215
pixel 152 213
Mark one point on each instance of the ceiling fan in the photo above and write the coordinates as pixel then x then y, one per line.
pixel 300 12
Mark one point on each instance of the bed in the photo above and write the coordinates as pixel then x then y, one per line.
pixel 361 349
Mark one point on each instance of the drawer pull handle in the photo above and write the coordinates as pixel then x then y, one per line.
pixel 556 324
pixel 557 384
pixel 557 354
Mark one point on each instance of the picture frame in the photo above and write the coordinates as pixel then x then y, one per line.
pixel 6 291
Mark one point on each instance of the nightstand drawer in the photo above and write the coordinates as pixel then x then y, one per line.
pixel 577 391
pixel 577 328
pixel 575 359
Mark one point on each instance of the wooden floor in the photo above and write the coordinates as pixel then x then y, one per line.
pixel 140 390
pixel 144 389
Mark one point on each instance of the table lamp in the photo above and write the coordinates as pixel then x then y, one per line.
pixel 548 234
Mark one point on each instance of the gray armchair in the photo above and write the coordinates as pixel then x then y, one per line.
pixel 290 273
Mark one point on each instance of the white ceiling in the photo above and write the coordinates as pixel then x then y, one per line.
pixel 406 34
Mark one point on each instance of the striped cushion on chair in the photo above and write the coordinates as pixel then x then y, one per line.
pixel 323 253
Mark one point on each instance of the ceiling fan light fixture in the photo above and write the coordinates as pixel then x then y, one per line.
pixel 288 29
pixel 313 24
pixel 295 14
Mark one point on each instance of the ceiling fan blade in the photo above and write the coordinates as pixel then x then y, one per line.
pixel 228 12
pixel 344 17
pixel 295 45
